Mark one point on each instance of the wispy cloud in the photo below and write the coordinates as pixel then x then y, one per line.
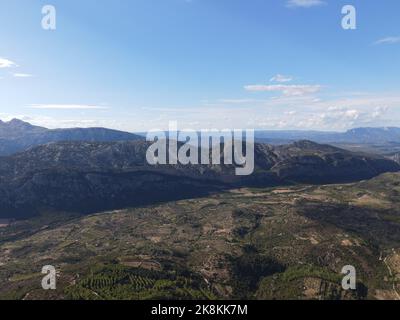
pixel 287 90
pixel 289 112
pixel 66 107
pixel 388 40
pixel 281 78
pixel 236 101
pixel 5 63
pixel 22 75
pixel 304 3
pixel 331 112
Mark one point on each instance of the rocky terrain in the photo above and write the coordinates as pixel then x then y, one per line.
pixel 88 177
pixel 253 243
pixel 115 227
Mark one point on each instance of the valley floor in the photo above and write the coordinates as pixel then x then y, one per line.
pixel 277 243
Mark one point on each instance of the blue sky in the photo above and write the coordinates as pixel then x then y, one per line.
pixel 137 64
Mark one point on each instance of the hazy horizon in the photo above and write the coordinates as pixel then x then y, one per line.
pixel 181 129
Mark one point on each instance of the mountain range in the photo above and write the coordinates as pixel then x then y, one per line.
pixel 86 177
pixel 17 135
pixel 96 169
pixel 87 202
pixel 357 135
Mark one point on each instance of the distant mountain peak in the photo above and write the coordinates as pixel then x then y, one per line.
pixel 16 128
pixel 19 123
pixel 15 123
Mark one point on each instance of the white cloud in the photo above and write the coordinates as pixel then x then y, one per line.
pixel 236 101
pixel 22 75
pixel 345 118
pixel 287 90
pixel 5 63
pixel 379 112
pixel 281 78
pixel 306 112
pixel 329 112
pixel 304 3
pixel 66 107
pixel 388 40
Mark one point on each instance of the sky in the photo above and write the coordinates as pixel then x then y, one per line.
pixel 135 65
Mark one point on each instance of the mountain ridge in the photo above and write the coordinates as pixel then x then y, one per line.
pixel 17 135
pixel 369 135
pixel 86 177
